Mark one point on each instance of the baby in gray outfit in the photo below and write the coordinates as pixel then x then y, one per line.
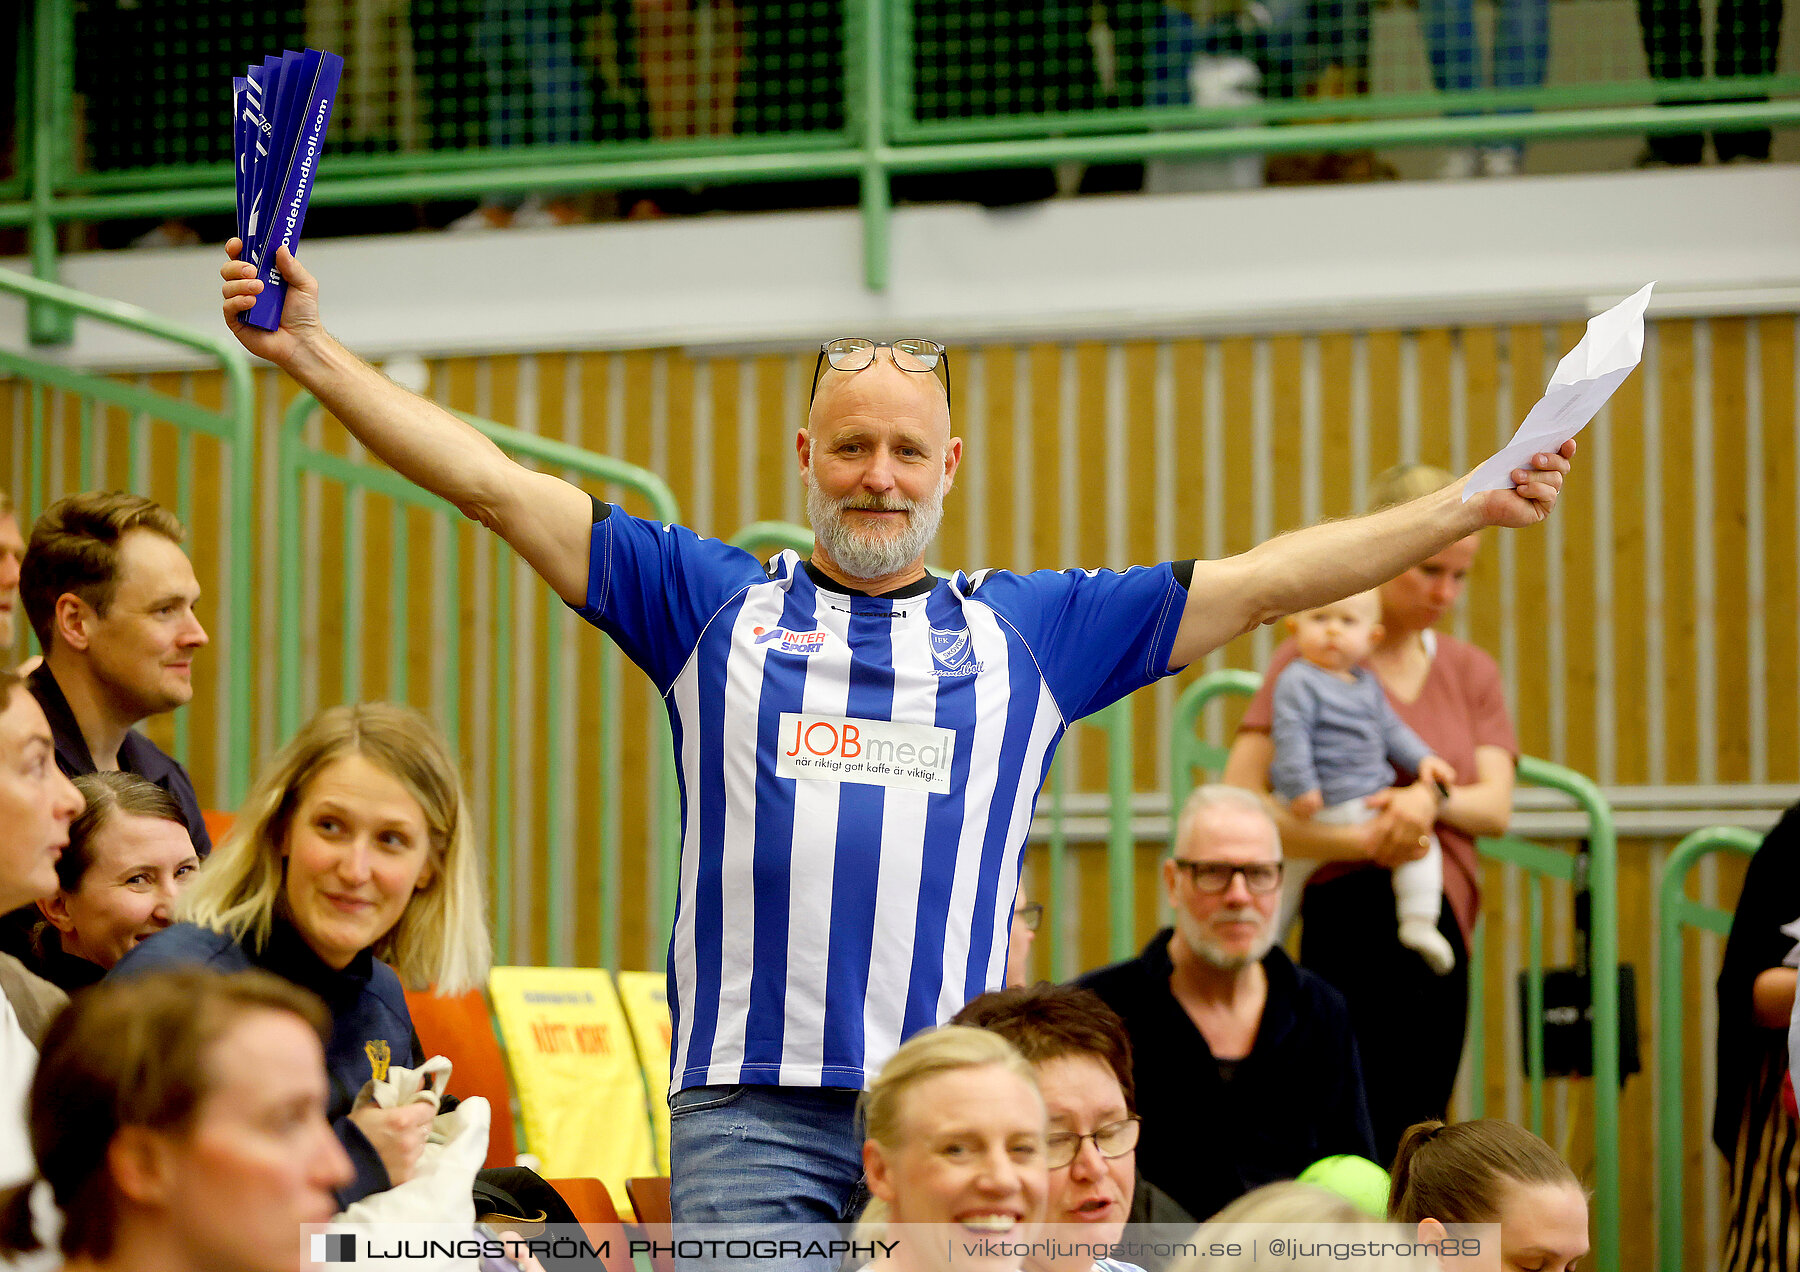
pixel 1338 741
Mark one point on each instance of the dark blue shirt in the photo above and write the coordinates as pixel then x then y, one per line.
pixel 365 999
pixel 1298 1096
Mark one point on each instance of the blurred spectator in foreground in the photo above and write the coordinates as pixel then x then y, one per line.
pixel 1491 1171
pixel 37 803
pixel 1759 1137
pixel 180 1088
pixel 1746 42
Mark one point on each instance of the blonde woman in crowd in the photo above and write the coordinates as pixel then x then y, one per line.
pixel 351 870
pixel 180 1123
pixel 955 1145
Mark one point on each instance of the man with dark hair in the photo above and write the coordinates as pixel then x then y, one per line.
pixel 1235 1048
pixel 111 596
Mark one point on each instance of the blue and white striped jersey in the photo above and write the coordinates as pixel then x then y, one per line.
pixel 857 777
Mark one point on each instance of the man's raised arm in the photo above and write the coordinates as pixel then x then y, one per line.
pixel 1324 563
pixel 546 520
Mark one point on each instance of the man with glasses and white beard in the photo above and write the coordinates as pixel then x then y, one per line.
pixel 1245 1065
pixel 860 742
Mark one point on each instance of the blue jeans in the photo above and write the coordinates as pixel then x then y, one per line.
pixel 763 1154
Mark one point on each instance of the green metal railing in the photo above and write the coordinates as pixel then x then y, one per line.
pixel 233 425
pixel 882 136
pixel 1117 723
pixel 760 538
pixel 1189 752
pixel 1676 912
pixel 298 458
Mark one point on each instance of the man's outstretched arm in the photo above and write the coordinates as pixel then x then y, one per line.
pixel 1324 563
pixel 546 520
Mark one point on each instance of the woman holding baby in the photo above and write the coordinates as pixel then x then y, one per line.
pixel 1409 1019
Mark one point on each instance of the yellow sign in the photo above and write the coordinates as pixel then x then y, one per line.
pixel 646 999
pixel 581 1092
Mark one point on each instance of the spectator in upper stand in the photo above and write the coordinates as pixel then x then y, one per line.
pixel 1027 914
pixel 180 1124
pixel 37 803
pixel 1233 1046
pixel 12 551
pixel 1746 42
pixel 353 851
pixel 111 596
pixel 1759 1138
pixel 1493 1171
pixel 128 859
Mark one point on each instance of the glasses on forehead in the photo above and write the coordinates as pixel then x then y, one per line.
pixel 1260 877
pixel 856 353
pixel 1115 1139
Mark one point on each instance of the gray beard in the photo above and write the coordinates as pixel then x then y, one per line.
pixel 865 556
pixel 1194 936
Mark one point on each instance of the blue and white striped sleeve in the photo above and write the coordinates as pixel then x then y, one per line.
pixel 652 587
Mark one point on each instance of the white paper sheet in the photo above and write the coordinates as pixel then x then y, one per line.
pixel 1580 386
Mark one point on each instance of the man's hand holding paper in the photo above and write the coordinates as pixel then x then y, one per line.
pixel 1580 386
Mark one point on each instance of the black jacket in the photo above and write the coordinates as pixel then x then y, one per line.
pixel 1771 897
pixel 1297 1097
pixel 137 754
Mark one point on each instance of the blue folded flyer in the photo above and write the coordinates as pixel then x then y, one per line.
pixel 280 110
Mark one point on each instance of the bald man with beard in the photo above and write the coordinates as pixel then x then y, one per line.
pixel 860 742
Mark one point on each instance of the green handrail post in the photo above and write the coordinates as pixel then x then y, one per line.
pixel 868 56
pixel 296 459
pixel 1121 846
pixel 234 424
pixel 1675 910
pixel 1188 750
pixel 53 44
pixel 1603 963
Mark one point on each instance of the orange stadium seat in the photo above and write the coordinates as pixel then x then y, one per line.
pixel 218 824
pixel 593 1206
pixel 461 1029
pixel 649 1196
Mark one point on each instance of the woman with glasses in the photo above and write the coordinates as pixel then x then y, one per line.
pixel 1078 1047
pixel 1233 1047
